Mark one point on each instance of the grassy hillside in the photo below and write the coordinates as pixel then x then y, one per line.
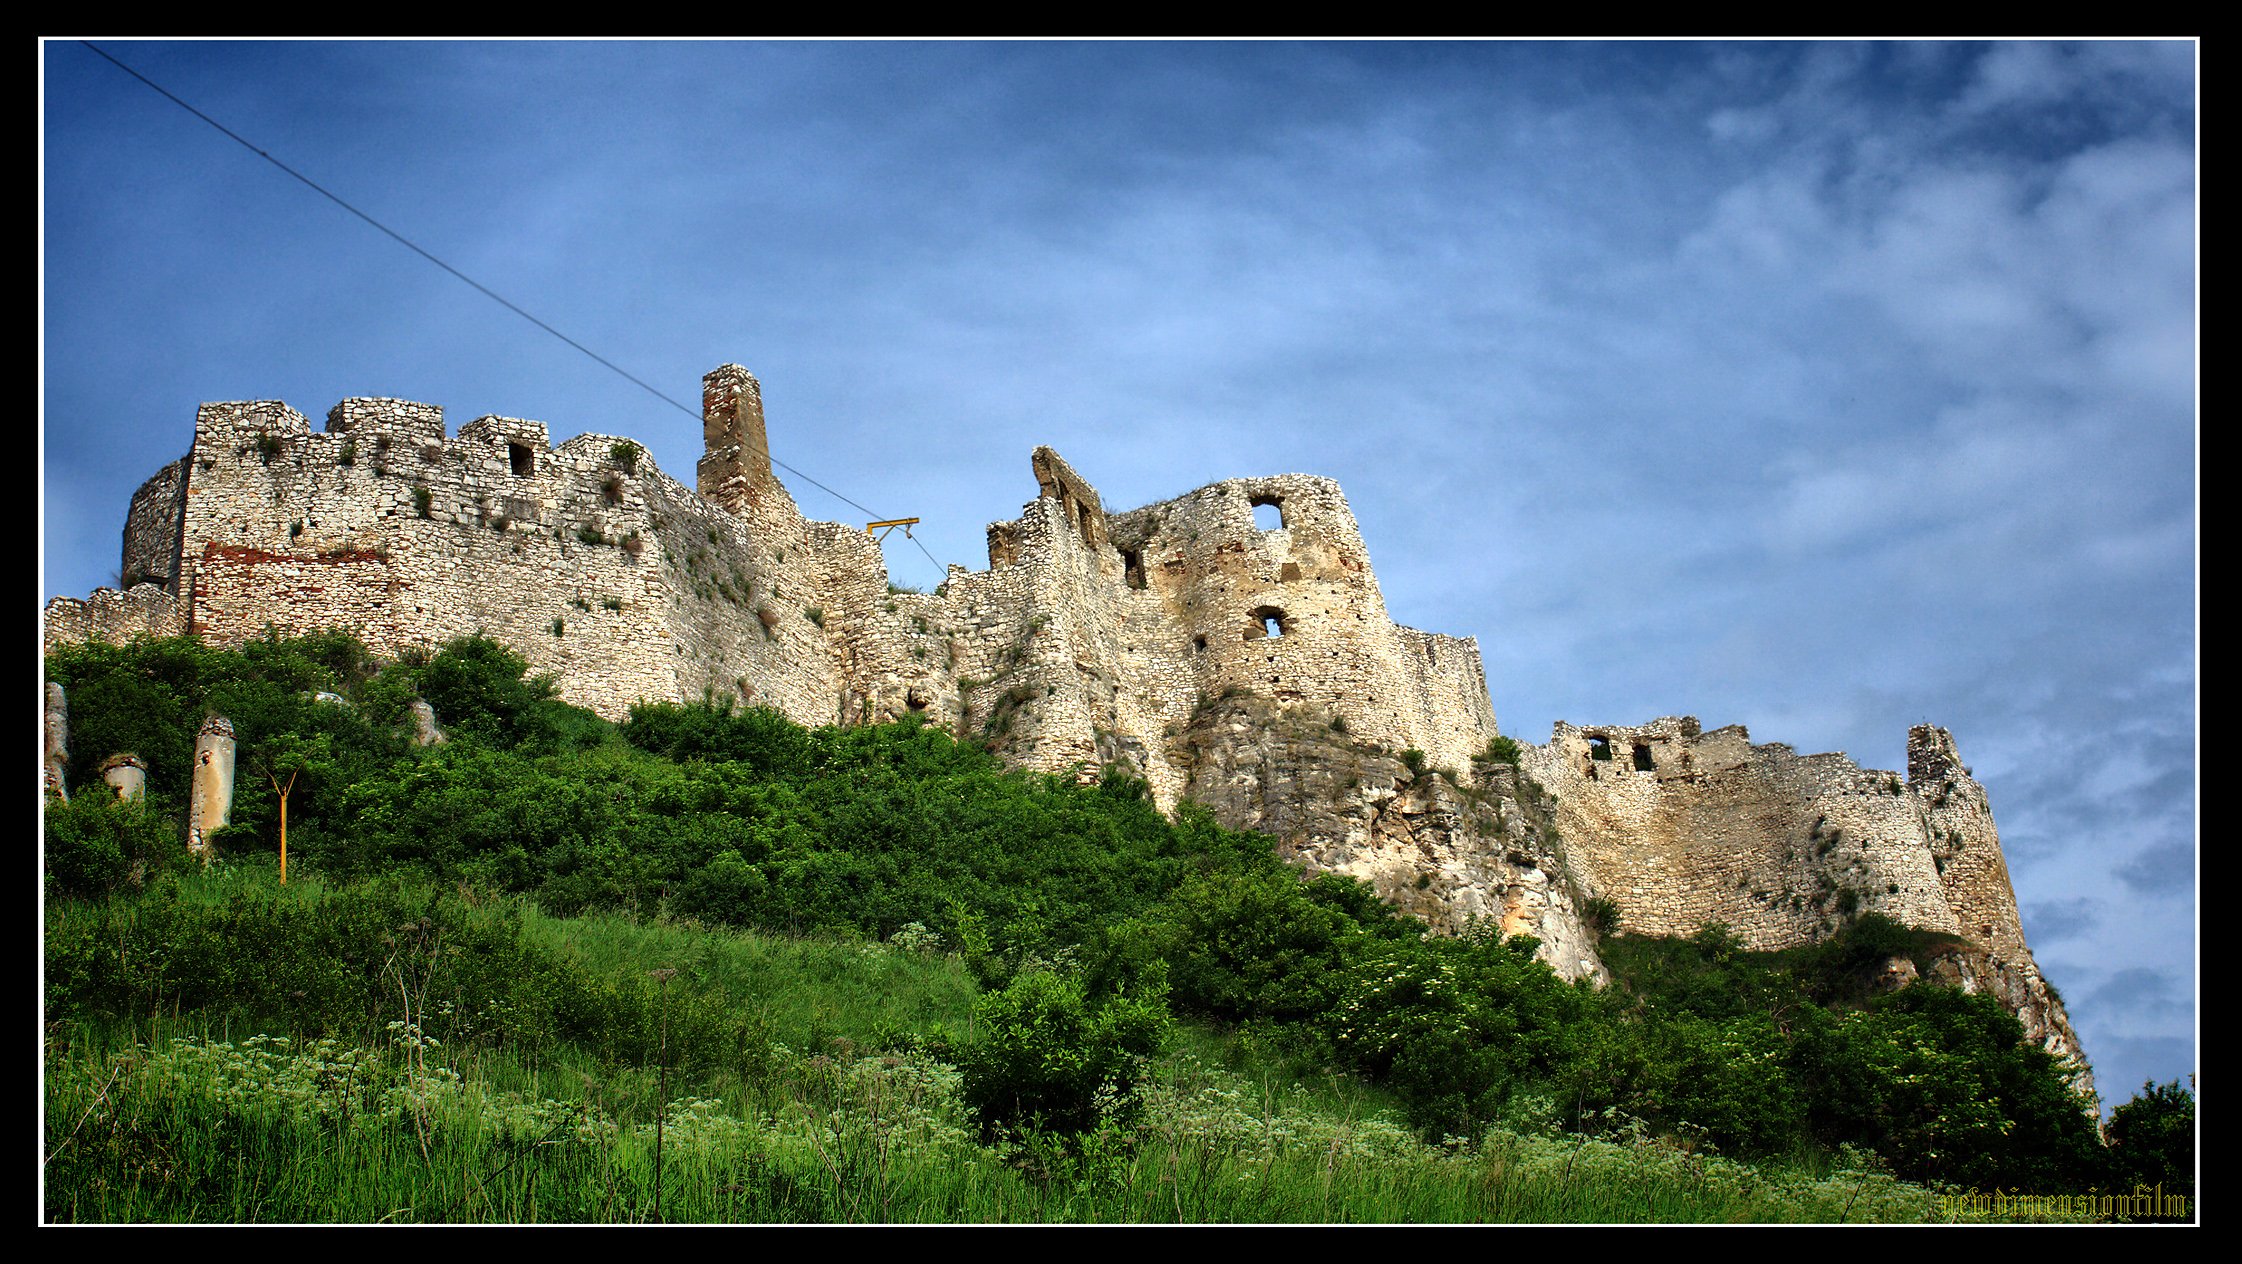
pixel 707 965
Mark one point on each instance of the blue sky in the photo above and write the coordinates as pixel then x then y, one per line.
pixel 1824 388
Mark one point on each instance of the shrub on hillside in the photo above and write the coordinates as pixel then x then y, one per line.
pixel 1051 1059
pixel 96 844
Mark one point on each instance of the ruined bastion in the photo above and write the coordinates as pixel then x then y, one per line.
pixel 1255 671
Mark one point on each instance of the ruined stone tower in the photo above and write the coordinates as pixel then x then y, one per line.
pixel 737 460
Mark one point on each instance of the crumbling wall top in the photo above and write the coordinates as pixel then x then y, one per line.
pixel 516 430
pixel 220 423
pixel 1056 480
pixel 405 418
pixel 1931 755
pixel 735 464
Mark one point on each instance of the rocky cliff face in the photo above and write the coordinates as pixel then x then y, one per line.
pixel 1450 847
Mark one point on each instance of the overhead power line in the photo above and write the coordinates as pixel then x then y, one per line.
pixel 479 287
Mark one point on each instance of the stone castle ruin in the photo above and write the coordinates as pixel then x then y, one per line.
pixel 1253 670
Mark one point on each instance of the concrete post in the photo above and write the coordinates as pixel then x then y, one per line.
pixel 58 742
pixel 127 775
pixel 211 796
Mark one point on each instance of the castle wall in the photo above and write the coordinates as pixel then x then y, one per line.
pixel 1964 845
pixel 1091 639
pixel 1295 614
pixel 1769 843
pixel 384 525
pixel 111 616
pixel 1759 838
pixel 152 524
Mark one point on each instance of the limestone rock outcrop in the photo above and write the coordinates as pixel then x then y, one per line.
pixel 1452 849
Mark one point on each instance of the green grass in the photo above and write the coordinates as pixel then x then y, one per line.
pixel 178 1129
pixel 805 1084
pixel 805 993
pixel 804 1079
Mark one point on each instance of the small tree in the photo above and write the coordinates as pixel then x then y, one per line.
pixel 2152 1141
pixel 281 760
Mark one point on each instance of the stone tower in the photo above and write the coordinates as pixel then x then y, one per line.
pixel 736 463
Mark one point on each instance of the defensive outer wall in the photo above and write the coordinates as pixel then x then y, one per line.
pixel 1092 638
pixel 1678 828
pixel 1255 670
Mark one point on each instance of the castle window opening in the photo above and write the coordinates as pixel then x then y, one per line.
pixel 1199 643
pixel 1268 513
pixel 1132 568
pixel 1269 621
pixel 524 461
pixel 1599 748
pixel 1642 759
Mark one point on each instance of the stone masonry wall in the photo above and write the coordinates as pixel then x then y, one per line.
pixel 1681 828
pixel 152 524
pixel 111 616
pixel 1718 830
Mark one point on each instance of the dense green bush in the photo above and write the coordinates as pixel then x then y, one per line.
pixel 1943 1085
pixel 1502 750
pixel 1461 1026
pixel 96 844
pixel 760 737
pixel 479 688
pixel 1050 1058
pixel 1239 945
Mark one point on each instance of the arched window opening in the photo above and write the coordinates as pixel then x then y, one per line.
pixel 1268 621
pixel 1268 513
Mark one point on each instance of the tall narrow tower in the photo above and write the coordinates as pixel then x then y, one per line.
pixel 736 463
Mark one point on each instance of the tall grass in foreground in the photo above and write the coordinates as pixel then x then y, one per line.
pixel 273 1130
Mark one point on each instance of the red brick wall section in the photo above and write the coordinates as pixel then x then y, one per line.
pixel 240 591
